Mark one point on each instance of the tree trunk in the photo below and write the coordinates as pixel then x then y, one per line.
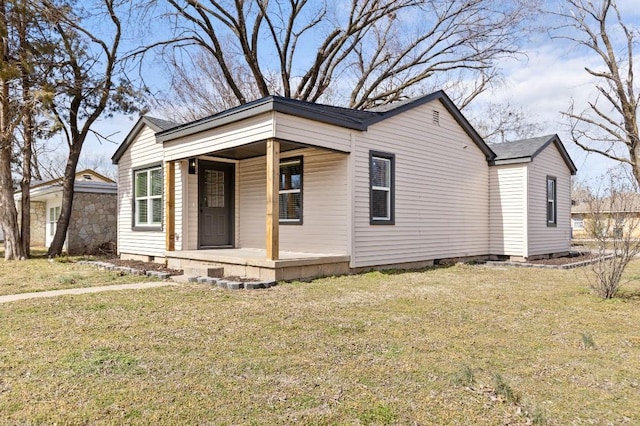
pixel 27 148
pixel 8 213
pixel 12 246
pixel 68 183
pixel 25 185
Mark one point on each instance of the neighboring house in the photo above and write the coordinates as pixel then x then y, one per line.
pixel 93 217
pixel 285 189
pixel 531 182
pixel 618 216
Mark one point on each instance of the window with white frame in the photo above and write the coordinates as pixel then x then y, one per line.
pixel 551 201
pixel 148 197
pixel 381 198
pixel 54 214
pixel 578 222
pixel 290 191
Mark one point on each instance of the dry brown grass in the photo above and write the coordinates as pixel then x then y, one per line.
pixel 38 274
pixel 458 345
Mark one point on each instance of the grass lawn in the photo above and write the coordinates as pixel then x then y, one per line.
pixel 38 274
pixel 457 345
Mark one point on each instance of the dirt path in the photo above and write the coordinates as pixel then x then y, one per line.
pixel 54 293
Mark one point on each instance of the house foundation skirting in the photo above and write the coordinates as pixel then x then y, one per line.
pixel 252 263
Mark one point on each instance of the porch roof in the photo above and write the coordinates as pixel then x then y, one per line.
pixel 339 116
pixel 255 149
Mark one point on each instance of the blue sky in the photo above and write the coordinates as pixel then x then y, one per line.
pixel 542 82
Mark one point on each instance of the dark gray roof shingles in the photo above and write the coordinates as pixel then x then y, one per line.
pixel 340 116
pixel 162 124
pixel 521 148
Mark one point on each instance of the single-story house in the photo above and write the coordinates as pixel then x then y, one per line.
pixel 618 216
pixel 93 217
pixel 285 189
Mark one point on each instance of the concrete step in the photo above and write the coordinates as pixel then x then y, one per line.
pixel 204 271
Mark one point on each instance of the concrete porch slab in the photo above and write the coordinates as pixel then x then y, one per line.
pixel 252 263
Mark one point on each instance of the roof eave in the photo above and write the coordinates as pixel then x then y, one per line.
pixel 253 109
pixel 515 160
pixel 565 155
pixel 232 115
pixel 79 187
pixel 142 121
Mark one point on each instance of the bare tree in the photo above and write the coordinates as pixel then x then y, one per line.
pixel 608 124
pixel 361 53
pixel 9 120
pixel 613 224
pixel 500 122
pixel 199 88
pixel 20 75
pixel 87 86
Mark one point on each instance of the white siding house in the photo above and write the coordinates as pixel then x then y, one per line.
pixel 439 213
pixel 531 198
pixel 285 189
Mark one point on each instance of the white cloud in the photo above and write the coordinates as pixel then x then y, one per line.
pixel 544 85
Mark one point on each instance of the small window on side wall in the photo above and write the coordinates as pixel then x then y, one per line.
pixel 147 209
pixel 382 186
pixel 551 201
pixel 290 191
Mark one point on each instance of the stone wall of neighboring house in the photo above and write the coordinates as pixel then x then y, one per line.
pixel 38 221
pixel 93 222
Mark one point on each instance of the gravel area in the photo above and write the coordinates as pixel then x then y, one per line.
pixel 145 266
pixel 574 257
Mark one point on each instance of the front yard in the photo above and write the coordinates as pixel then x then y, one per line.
pixel 458 345
pixel 38 274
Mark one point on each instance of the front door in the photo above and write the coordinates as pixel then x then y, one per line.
pixel 215 218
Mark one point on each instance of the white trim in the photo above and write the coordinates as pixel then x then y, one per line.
pixel 149 198
pixel 351 177
pixel 552 220
pixel 216 159
pixel 525 216
pixel 387 189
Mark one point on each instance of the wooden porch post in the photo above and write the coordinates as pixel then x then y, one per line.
pixel 273 214
pixel 170 204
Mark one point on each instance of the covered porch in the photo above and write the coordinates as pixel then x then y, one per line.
pixel 259 241
pixel 272 183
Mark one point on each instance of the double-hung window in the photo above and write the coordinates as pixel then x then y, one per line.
pixel 551 201
pixel 290 191
pixel 148 198
pixel 381 196
pixel 54 214
pixel 578 222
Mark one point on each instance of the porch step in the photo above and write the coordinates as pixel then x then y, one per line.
pixel 203 271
